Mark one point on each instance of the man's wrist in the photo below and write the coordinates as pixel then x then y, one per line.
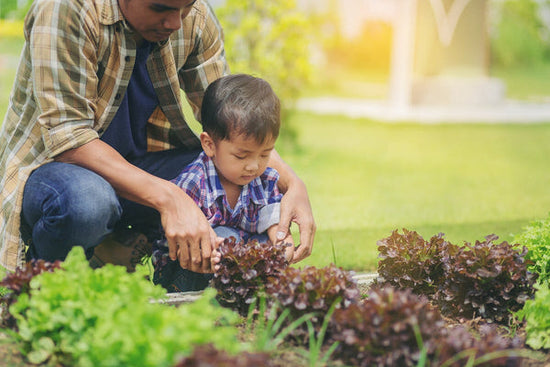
pixel 162 195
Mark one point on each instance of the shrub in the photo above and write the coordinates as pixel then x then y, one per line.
pixel 536 237
pixel 271 39
pixel 244 270
pixel 519 37
pixel 105 317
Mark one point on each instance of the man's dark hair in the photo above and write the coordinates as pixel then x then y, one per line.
pixel 241 104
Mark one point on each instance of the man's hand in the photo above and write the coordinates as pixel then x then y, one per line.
pixel 295 207
pixel 288 241
pixel 190 238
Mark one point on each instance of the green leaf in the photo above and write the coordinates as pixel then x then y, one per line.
pixel 42 350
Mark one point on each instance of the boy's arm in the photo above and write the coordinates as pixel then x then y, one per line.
pixel 295 207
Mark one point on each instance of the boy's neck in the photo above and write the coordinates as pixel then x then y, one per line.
pixel 232 191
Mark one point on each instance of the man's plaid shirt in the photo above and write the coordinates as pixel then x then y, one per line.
pixel 74 70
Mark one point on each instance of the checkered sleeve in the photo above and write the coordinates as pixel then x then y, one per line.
pixel 63 51
pixel 206 62
pixel 269 214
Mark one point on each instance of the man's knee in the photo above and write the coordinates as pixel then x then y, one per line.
pixel 71 201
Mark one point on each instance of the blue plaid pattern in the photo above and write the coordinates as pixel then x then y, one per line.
pixel 201 182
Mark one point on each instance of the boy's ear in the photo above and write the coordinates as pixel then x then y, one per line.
pixel 208 144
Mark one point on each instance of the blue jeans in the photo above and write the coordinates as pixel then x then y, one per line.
pixel 65 205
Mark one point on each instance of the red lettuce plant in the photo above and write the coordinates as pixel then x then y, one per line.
pixel 312 291
pixel 485 279
pixel 244 270
pixel 385 329
pixel 460 346
pixel 409 261
pixel 395 327
pixel 207 355
pixel 18 283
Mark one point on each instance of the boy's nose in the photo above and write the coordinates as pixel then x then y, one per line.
pixel 252 166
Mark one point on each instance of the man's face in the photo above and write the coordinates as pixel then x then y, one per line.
pixel 155 20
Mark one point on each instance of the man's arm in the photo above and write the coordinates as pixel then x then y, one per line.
pixel 190 237
pixel 295 207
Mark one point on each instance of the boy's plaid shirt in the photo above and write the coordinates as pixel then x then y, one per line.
pixel 256 210
pixel 75 66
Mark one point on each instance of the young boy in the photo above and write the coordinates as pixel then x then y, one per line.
pixel 230 180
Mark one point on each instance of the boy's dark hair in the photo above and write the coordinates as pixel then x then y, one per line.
pixel 241 104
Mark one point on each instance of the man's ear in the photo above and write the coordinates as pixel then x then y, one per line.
pixel 208 144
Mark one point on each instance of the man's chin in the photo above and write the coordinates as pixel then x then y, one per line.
pixel 160 36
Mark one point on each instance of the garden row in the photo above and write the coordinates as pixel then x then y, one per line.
pixel 434 304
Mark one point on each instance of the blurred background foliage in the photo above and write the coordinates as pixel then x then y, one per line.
pixel 519 36
pixel 272 40
pixel 301 51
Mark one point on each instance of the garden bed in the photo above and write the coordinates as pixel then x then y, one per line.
pixel 431 303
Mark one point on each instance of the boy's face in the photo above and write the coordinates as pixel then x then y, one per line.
pixel 155 20
pixel 238 160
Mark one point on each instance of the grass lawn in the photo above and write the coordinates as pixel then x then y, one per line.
pixel 527 83
pixel 367 178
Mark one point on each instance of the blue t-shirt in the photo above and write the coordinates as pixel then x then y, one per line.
pixel 127 133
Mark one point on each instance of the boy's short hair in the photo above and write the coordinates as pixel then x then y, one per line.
pixel 241 104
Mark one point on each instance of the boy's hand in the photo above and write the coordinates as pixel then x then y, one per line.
pixel 288 241
pixel 216 257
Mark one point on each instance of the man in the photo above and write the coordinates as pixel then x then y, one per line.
pixel 94 130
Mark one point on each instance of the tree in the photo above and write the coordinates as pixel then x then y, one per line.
pixel 269 39
pixel 519 36
pixel 14 9
pixel 7 7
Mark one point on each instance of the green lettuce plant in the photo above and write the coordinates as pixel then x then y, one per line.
pixel 536 315
pixel 106 317
pixel 536 237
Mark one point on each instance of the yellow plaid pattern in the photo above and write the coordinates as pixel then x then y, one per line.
pixel 74 70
